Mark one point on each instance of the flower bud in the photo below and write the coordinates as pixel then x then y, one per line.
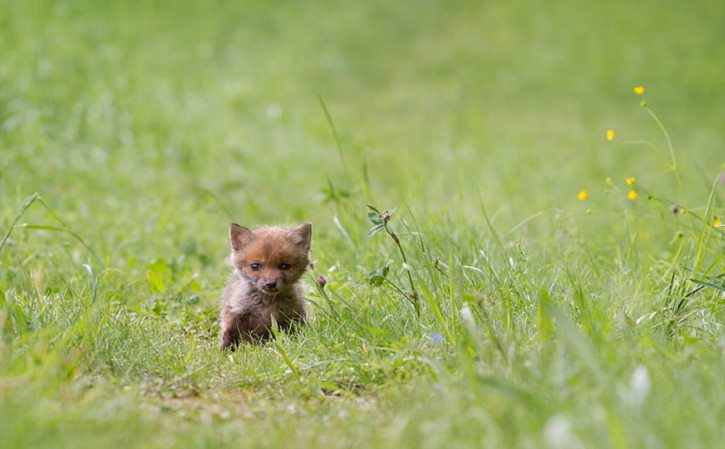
pixel 321 281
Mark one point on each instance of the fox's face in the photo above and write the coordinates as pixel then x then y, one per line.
pixel 272 259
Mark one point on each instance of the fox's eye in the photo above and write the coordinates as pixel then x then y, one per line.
pixel 255 266
pixel 285 266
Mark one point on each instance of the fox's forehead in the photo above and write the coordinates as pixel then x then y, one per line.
pixel 271 233
pixel 272 244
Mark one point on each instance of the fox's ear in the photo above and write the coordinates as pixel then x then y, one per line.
pixel 239 236
pixel 302 235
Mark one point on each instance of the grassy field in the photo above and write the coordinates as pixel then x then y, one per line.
pixel 559 305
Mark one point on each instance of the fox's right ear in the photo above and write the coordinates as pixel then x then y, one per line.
pixel 239 236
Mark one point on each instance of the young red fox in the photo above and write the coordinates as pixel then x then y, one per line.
pixel 267 264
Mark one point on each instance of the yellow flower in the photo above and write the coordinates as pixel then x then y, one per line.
pixel 717 223
pixel 610 134
pixel 583 195
pixel 609 181
pixel 639 90
pixel 632 195
pixel 629 181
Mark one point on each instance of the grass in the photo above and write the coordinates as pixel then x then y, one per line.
pixel 132 134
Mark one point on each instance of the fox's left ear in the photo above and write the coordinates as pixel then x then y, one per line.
pixel 302 235
pixel 239 236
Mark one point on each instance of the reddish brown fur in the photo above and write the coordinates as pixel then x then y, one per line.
pixel 256 294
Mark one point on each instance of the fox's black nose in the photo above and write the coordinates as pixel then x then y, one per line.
pixel 270 284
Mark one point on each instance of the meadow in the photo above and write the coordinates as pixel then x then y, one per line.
pixel 516 209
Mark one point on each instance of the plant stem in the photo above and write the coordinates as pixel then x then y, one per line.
pixel 413 293
pixel 26 204
pixel 669 143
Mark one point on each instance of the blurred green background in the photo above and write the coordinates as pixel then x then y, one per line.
pixel 159 101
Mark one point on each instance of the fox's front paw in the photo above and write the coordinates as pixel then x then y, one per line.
pixel 229 341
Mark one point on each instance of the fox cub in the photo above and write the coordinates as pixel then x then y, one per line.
pixel 267 264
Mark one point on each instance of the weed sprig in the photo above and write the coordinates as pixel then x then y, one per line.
pixel 380 221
